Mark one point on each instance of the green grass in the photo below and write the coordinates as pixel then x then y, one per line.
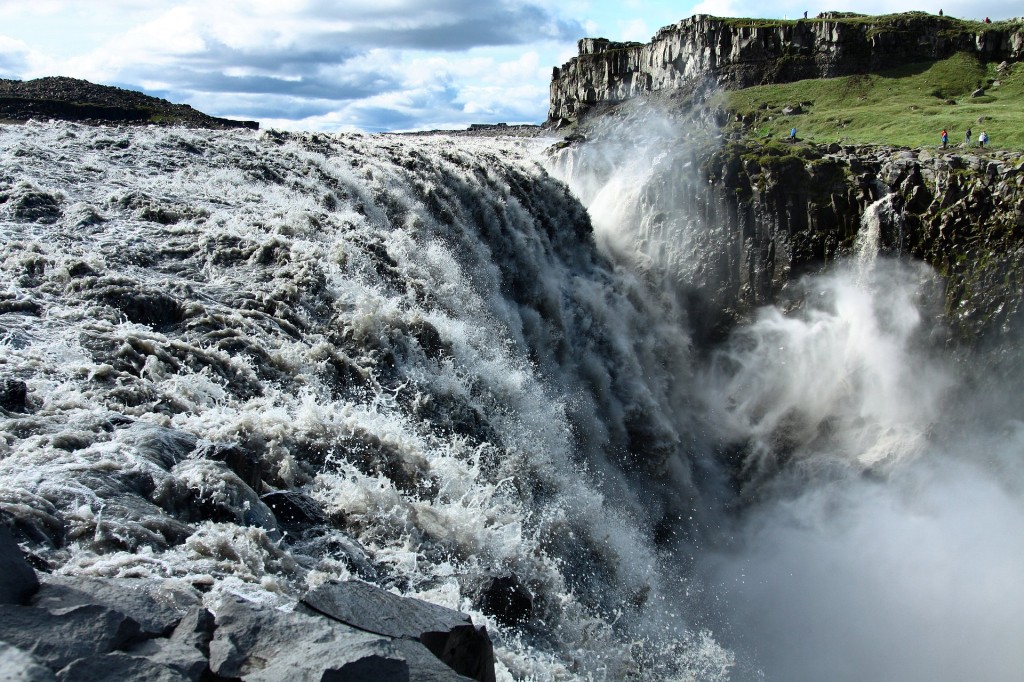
pixel 906 106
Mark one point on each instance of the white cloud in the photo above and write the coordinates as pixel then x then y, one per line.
pixel 14 57
pixel 636 30
pixel 380 62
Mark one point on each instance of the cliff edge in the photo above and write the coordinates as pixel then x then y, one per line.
pixel 705 51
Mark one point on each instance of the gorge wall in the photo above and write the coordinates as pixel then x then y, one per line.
pixel 793 210
pixel 737 53
pixel 741 223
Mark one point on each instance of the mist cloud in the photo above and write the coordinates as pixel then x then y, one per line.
pixel 882 534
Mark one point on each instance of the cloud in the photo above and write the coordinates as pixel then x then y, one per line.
pixel 398 60
pixel 635 29
pixel 14 57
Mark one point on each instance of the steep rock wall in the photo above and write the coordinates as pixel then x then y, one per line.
pixel 737 53
pixel 791 211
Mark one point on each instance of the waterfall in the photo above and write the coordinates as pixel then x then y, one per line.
pixel 417 336
pixel 473 359
pixel 869 237
pixel 852 443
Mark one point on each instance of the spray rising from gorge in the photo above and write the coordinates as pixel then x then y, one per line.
pixel 471 368
pixel 875 475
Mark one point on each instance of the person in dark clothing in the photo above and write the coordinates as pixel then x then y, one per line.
pixel 967 137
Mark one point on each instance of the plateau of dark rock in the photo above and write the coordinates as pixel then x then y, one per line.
pixel 72 99
pixel 705 51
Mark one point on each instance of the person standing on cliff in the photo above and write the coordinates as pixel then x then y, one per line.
pixel 982 139
pixel 967 138
pixel 945 138
pixel 792 134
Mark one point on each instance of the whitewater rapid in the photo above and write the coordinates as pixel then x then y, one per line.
pixel 476 359
pixel 414 333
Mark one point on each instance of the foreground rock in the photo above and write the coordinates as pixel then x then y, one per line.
pixel 18 581
pixel 154 630
pixel 449 635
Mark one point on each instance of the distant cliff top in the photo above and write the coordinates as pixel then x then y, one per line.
pixel 705 52
pixel 73 99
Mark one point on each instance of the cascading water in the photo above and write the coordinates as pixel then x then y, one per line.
pixel 424 337
pixel 417 335
pixel 869 238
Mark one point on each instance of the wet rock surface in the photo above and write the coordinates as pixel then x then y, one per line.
pixel 449 635
pixel 82 629
pixel 18 581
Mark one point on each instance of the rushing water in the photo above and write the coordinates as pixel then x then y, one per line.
pixel 427 337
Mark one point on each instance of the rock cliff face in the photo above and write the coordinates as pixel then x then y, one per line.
pixel 786 211
pixel 736 53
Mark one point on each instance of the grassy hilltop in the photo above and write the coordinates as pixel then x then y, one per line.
pixel 908 105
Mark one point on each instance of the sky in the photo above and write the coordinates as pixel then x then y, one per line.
pixel 369 65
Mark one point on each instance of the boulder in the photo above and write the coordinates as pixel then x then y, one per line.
pixel 18 580
pixel 216 493
pixel 337 546
pixel 187 650
pixel 158 606
pixel 118 666
pixel 505 598
pixel 980 92
pixel 294 510
pixel 13 395
pixel 424 666
pixel 59 636
pixel 263 644
pixel 448 634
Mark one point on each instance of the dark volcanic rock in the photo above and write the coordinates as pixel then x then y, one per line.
pixel 18 580
pixel 707 52
pixel 72 99
pixel 157 605
pixel 294 510
pixel 505 598
pixel 263 644
pixel 121 667
pixel 61 636
pixel 450 635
